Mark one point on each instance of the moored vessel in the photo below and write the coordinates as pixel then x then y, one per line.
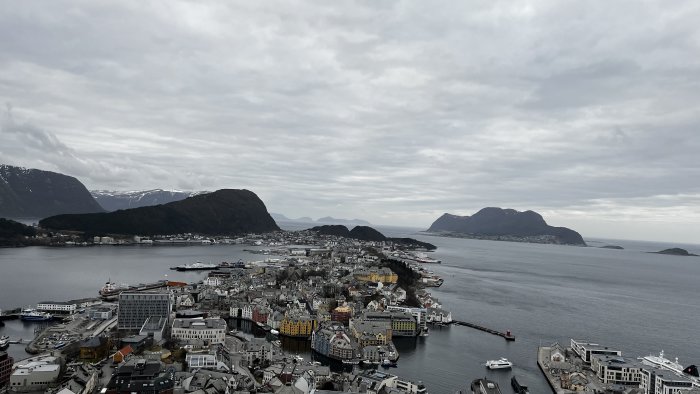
pixel 198 266
pixel 34 315
pixel 4 342
pixel 485 386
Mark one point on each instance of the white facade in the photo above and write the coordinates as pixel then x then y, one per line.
pixel 61 307
pixel 213 281
pixel 247 312
pixel 210 330
pixel 35 375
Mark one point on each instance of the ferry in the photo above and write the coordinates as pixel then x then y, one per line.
pixel 4 342
pixel 198 266
pixel 34 315
pixel 423 258
pixel 662 362
pixel 502 363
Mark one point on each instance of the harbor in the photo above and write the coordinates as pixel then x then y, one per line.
pixel 507 335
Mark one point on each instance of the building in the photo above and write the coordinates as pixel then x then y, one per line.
pixel 342 314
pixel 384 275
pixel 95 348
pixel 371 333
pixel 100 313
pixel 136 307
pixel 65 308
pixel 260 314
pixel 420 314
pixel 35 375
pixel 660 381
pixel 122 354
pixel 376 382
pixel 5 368
pixel 617 370
pixel 587 350
pixel 154 327
pixel 141 376
pixel 212 331
pixel 403 324
pixel 297 326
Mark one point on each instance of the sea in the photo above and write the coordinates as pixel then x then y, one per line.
pixel 630 299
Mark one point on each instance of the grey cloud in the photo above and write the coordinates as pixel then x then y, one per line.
pixel 393 111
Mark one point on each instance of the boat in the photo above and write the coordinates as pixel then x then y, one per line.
pixel 519 388
pixel 663 363
pixel 423 258
pixel 386 363
pixel 111 290
pixel 198 266
pixel 277 343
pixel 34 315
pixel 4 342
pixel 485 386
pixel 502 363
pixel 274 332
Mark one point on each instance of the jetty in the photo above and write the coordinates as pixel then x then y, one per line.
pixel 508 336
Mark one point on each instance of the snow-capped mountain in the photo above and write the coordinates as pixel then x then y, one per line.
pixel 112 200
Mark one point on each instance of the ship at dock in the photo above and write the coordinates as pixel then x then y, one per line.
pixel 198 266
pixel 34 315
pixel 110 291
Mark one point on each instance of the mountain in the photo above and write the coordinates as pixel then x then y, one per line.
pixel 507 224
pixel 13 233
pixel 332 220
pixel 31 193
pixel 223 212
pixel 365 233
pixel 112 200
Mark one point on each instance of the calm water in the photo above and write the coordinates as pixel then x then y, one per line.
pixel 637 301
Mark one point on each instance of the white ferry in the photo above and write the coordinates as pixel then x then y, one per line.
pixel 502 363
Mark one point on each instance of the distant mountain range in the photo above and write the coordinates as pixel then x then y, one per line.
pixel 31 193
pixel 112 200
pixel 223 212
pixel 366 233
pixel 323 220
pixel 506 224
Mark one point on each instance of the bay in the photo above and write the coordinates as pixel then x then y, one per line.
pixel 630 299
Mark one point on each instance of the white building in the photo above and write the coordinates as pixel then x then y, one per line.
pixel 212 331
pixel 57 307
pixel 35 375
pixel 587 350
pixel 213 281
pixel 247 312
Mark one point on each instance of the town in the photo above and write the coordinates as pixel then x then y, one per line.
pixel 344 298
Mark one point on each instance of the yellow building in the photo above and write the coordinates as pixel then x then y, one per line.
pixel 297 326
pixel 384 275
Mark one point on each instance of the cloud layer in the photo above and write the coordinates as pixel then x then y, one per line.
pixel 390 111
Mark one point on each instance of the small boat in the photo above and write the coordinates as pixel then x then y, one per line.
pixel 274 332
pixel 34 315
pixel 4 342
pixel 277 343
pixel 519 388
pixel 502 363
pixel 386 363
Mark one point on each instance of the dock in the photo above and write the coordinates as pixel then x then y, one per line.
pixel 506 335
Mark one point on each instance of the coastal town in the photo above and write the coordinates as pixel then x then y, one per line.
pixel 240 329
pixel 231 332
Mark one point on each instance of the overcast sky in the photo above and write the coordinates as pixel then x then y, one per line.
pixel 395 112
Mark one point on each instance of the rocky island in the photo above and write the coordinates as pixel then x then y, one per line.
pixel 675 252
pixel 366 233
pixel 505 225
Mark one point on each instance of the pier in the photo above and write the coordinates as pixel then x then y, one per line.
pixel 506 335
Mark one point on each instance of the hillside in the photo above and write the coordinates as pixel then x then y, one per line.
pixel 365 233
pixel 223 212
pixel 507 224
pixel 13 233
pixel 112 200
pixel 31 193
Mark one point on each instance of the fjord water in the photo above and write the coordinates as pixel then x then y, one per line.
pixel 636 301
